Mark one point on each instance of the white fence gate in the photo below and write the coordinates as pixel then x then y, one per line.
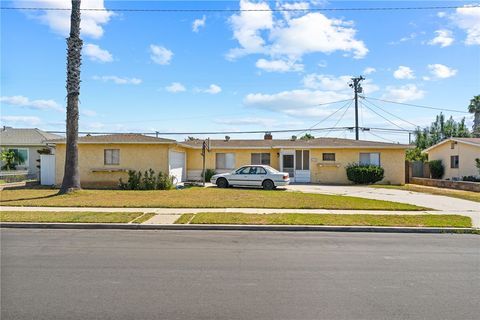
pixel 47 169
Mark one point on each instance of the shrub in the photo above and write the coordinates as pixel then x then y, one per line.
pixel 471 178
pixel 364 174
pixel 148 181
pixel 436 169
pixel 209 173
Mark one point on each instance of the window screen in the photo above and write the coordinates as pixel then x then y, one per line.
pixel 260 158
pixel 372 158
pixel 111 156
pixel 454 162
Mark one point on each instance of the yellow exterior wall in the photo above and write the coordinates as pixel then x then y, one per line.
pixel 242 157
pixel 466 155
pixel 392 161
pixel 132 156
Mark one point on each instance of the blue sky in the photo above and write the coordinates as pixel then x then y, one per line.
pixel 203 71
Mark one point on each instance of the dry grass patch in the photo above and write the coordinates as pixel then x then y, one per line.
pixel 461 194
pixel 194 198
pixel 329 219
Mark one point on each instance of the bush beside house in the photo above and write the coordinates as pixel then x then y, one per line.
pixel 436 169
pixel 364 174
pixel 148 181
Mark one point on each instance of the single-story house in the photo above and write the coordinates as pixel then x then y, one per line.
pixel 26 143
pixel 105 159
pixel 457 155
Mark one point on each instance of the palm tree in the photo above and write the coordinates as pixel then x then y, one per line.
pixel 71 177
pixel 474 108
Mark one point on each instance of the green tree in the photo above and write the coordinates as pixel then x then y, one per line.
pixel 474 107
pixel 307 136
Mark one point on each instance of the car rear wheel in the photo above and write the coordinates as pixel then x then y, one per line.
pixel 222 183
pixel 268 185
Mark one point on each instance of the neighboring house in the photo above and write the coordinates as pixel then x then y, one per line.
pixel 320 160
pixel 458 156
pixel 26 142
pixel 104 159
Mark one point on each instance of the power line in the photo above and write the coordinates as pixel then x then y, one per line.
pixel 378 114
pixel 416 105
pixel 393 115
pixel 340 119
pixel 246 10
pixel 328 117
pixel 376 135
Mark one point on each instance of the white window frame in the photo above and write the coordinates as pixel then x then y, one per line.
pixel 108 160
pixel 369 158
pixel 299 160
pixel 229 161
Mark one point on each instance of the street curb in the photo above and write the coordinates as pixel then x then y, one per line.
pixel 223 227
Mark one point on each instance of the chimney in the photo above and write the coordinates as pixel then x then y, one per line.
pixel 267 136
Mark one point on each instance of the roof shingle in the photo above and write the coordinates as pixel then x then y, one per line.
pixel 25 137
pixel 124 138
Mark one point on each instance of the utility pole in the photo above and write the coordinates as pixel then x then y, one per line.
pixel 357 88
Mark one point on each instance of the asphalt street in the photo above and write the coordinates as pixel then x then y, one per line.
pixel 118 274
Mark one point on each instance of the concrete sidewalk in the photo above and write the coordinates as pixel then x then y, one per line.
pixel 169 215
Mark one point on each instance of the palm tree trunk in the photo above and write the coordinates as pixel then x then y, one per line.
pixel 476 124
pixel 71 176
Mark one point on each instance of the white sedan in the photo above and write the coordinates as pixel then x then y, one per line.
pixel 252 176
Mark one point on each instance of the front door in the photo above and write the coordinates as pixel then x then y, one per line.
pixel 288 161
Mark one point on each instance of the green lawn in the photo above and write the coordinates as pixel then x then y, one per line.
pixel 466 195
pixel 194 198
pixel 328 219
pixel 78 217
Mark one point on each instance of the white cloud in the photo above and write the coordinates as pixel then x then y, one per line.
pixel 408 92
pixel 118 80
pixel 295 100
pixel 441 14
pixel 369 70
pixel 175 87
pixel 441 71
pixel 404 72
pixel 443 38
pixel 326 82
pixel 95 53
pixel 197 23
pixel 212 89
pixel 160 55
pixel 410 37
pixel 22 101
pixel 59 21
pixel 278 65
pixel 468 19
pixel 23 120
pixel 293 36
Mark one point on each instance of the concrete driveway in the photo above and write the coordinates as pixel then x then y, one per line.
pixel 437 202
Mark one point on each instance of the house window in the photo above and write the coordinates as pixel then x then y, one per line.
pixel 225 161
pixel 372 158
pixel 260 158
pixel 21 154
pixel 454 162
pixel 328 156
pixel 302 160
pixel 111 156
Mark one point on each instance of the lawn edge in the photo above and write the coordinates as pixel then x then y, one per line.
pixel 223 227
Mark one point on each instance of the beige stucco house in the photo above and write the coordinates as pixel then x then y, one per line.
pixel 105 159
pixel 26 142
pixel 457 155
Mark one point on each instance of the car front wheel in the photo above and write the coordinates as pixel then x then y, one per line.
pixel 268 185
pixel 222 183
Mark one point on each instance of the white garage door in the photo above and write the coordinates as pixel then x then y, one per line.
pixel 177 165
